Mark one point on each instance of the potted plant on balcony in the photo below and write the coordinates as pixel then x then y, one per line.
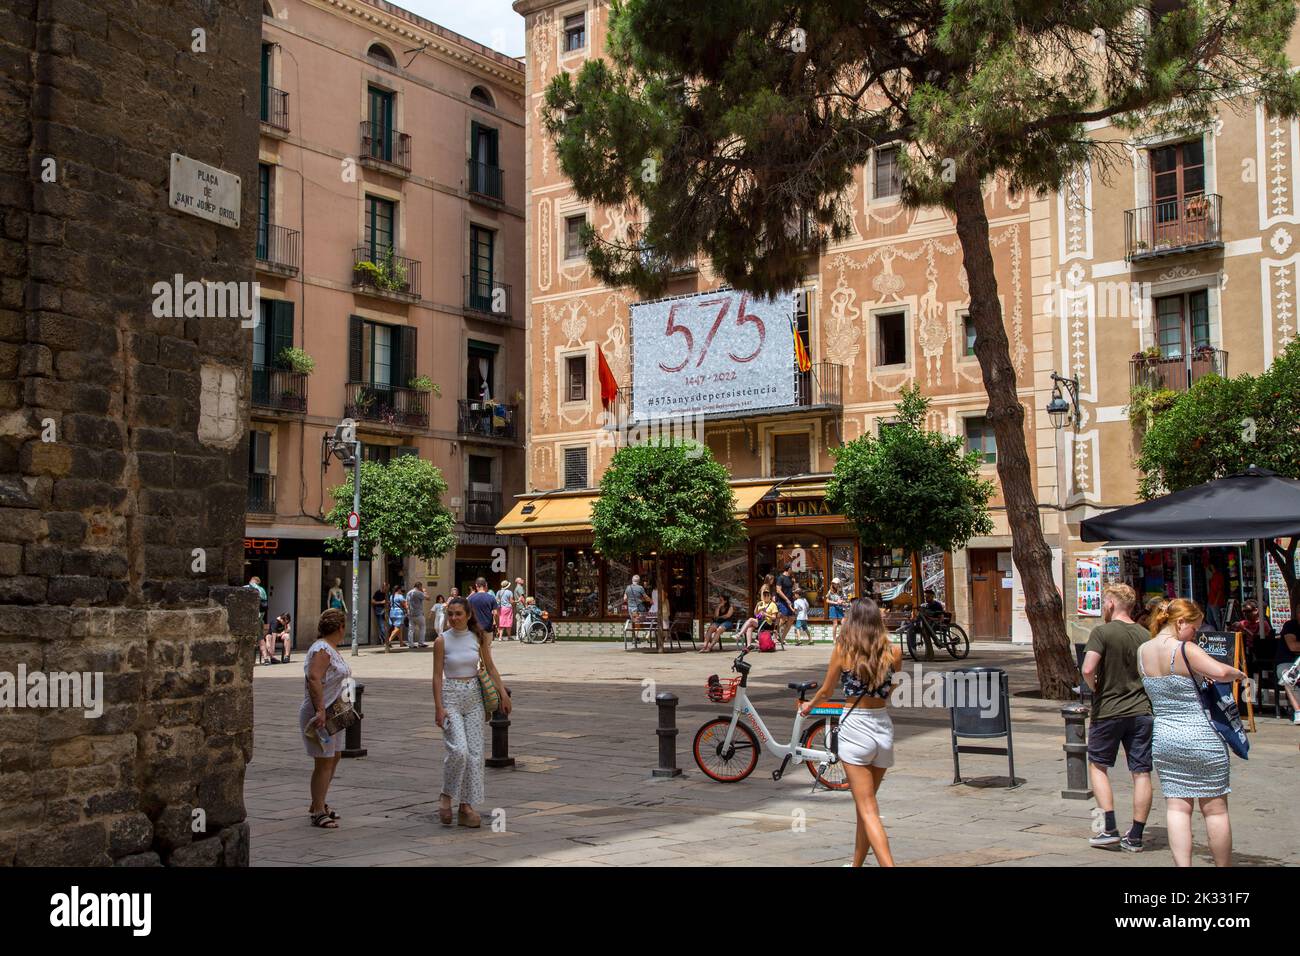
pixel 1197 206
pixel 422 383
pixel 394 273
pixel 296 360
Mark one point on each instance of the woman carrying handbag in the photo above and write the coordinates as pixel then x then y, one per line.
pixel 465 683
pixel 325 712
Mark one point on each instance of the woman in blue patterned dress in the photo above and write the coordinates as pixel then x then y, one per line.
pixel 1190 757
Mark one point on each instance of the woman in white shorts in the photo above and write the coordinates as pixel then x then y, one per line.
pixel 863 662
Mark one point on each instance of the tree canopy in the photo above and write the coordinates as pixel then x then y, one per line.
pixel 667 497
pixel 401 509
pixel 910 487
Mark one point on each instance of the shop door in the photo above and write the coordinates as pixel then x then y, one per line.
pixel 990 601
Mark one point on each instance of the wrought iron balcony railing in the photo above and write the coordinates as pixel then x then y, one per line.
pixel 487 420
pixel 482 507
pixel 1176 373
pixel 386 404
pixel 381 271
pixel 279 249
pixel 485 180
pixel 383 144
pixel 261 494
pixel 279 388
pixel 1172 226
pixel 275 108
pixel 485 296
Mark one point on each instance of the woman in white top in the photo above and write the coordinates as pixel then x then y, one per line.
pixel 458 702
pixel 326 675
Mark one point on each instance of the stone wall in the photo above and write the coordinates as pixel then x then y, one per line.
pixel 123 434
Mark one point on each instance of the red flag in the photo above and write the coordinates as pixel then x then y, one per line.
pixel 801 354
pixel 608 384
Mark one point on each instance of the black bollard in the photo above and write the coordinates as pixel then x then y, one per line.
pixel 500 724
pixel 1076 752
pixel 352 736
pixel 667 731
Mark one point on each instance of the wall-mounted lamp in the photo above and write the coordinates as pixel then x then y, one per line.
pixel 1062 412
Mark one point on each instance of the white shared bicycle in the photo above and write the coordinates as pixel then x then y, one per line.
pixel 726 748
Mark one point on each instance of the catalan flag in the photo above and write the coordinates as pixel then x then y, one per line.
pixel 801 353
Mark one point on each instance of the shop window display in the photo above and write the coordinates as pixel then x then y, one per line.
pixel 618 575
pixel 844 567
pixel 808 568
pixel 729 575
pixel 546 567
pixel 581 583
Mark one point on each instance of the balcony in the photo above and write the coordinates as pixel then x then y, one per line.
pixel 820 389
pixel 485 182
pixel 380 272
pixel 483 507
pixel 1176 373
pixel 261 494
pixel 1174 226
pixel 274 111
pixel 281 389
pixel 485 298
pixel 488 422
pixel 385 148
pixel 279 249
pixel 386 404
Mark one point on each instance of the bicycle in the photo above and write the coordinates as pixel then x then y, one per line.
pixel 726 748
pixel 943 634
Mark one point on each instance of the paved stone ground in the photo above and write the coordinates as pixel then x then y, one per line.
pixel 581 792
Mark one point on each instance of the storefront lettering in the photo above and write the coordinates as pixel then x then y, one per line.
pixel 793 508
pixel 262 545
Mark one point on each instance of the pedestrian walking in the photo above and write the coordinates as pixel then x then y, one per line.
pixel 835 603
pixel 1121 713
pixel 1190 757
pixel 483 604
pixel 396 615
pixel 783 591
pixel 379 608
pixel 863 662
pixel 505 610
pixel 439 615
pixel 325 672
pixel 801 633
pixel 458 653
pixel 634 597
pixel 415 616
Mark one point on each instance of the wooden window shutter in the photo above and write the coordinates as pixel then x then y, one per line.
pixel 356 366
pixel 281 330
pixel 407 356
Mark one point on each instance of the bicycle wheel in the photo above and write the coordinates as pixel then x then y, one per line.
pixel 915 643
pixel 725 765
pixel 816 737
pixel 958 642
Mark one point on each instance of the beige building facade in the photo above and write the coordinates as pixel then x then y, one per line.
pixel 1109 267
pixel 391 252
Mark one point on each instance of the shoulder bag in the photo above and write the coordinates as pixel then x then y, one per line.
pixel 1221 710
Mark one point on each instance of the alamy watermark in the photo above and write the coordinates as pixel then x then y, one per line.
pixel 56 689
pixel 620 428
pixel 179 299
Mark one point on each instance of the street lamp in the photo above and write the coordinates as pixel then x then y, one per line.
pixel 345 446
pixel 1062 412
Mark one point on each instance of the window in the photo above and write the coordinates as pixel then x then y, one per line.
pixel 261 484
pixel 575 467
pixel 485 174
pixel 1182 323
pixel 383 454
pixel 888 182
pixel 575 377
pixel 380 215
pixel 573 226
pixel 480 472
pixel 259 452
pixel 267 49
pixel 891 338
pixel 575 32
pixel 263 210
pixel 380 126
pixel 480 382
pixel 381 55
pixel 980 439
pixel 480 95
pixel 482 250
pixel 273 333
pixel 381 355
pixel 967 334
pixel 1177 176
pixel 791 455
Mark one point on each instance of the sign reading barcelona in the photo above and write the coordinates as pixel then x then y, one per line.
pixel 724 351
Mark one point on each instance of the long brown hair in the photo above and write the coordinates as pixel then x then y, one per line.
pixel 470 617
pixel 1179 609
pixel 864 643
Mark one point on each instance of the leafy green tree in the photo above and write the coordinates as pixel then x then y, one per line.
pixel 911 488
pixel 401 510
pixel 736 127
pixel 665 497
pixel 1221 425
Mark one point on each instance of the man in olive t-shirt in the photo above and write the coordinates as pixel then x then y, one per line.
pixel 1121 713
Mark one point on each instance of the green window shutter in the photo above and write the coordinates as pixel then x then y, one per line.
pixel 281 330
pixel 356 370
pixel 406 354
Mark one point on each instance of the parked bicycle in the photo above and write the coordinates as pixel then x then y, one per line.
pixel 943 634
pixel 726 748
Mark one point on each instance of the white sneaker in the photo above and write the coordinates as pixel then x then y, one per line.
pixel 1295 718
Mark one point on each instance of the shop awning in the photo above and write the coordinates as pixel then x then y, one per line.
pixel 1255 503
pixel 1168 545
pixel 560 515
pixel 747 496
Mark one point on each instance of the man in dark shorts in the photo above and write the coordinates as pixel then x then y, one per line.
pixel 784 601
pixel 1121 713
pixel 484 604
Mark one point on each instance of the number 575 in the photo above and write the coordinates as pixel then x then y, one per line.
pixel 724 303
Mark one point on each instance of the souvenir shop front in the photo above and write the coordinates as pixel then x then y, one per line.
pixel 789 522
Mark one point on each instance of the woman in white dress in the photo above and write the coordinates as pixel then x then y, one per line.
pixel 326 674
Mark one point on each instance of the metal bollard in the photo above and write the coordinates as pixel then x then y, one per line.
pixel 500 724
pixel 667 731
pixel 1076 752
pixel 352 736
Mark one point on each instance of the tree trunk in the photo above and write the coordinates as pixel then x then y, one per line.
pixel 1057 672
pixel 916 605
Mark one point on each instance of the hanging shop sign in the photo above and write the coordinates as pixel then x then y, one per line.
pixel 722 351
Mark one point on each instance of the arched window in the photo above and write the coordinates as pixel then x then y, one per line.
pixel 481 95
pixel 381 55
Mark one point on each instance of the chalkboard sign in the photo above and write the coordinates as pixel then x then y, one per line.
pixel 1221 645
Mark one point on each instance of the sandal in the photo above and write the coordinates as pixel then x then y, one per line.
pixel 332 814
pixel 323 821
pixel 444 815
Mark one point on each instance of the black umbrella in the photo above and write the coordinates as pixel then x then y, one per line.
pixel 1255 503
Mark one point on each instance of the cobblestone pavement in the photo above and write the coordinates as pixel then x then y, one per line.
pixel 581 792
